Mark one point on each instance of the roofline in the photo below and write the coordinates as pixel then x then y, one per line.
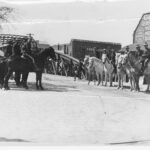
pixel 138 25
pixel 94 41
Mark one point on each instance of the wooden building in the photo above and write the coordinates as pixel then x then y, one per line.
pixel 79 48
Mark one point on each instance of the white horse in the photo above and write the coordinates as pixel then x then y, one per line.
pixel 121 72
pixel 97 66
pixel 108 69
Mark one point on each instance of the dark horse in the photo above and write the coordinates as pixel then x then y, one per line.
pixel 24 66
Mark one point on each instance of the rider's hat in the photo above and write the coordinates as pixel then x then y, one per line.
pixel 122 52
pixel 137 46
pixel 127 47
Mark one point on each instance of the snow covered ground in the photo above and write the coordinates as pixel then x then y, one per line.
pixel 70 112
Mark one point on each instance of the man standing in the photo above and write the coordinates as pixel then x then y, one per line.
pixel 80 69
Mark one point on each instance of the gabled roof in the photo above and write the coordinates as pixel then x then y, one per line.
pixel 138 25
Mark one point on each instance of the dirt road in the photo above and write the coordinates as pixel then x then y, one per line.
pixel 73 113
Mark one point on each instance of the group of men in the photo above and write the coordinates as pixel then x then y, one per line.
pixel 144 55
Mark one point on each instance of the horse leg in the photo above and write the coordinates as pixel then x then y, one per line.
pixel 137 82
pixel 131 84
pixel 110 79
pixel 37 80
pixel 40 81
pixel 9 73
pixel 147 80
pixel 102 77
pixel 89 78
pixel 24 80
pixel 17 78
pixel 98 78
pixel 105 78
pixel 122 77
pixel 119 81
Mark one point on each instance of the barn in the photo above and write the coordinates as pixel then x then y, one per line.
pixel 142 31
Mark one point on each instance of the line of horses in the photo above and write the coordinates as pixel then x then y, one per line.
pixel 126 64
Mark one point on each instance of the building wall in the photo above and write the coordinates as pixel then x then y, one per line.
pixel 142 31
pixel 79 48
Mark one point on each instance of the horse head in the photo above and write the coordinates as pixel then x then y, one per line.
pixel 49 52
pixel 104 58
pixel 91 62
pixel 120 60
pixel 86 60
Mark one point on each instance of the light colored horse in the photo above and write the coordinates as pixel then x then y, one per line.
pixel 132 64
pixel 121 72
pixel 97 66
pixel 108 69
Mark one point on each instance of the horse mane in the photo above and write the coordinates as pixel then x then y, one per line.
pixel 96 59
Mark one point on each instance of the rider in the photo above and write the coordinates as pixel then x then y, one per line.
pixel 16 50
pixel 26 51
pixel 139 51
pixel 127 49
pixel 8 51
pixel 97 55
pixel 104 54
pixel 145 56
pixel 113 59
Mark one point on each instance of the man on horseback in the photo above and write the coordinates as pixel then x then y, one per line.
pixel 112 59
pixel 145 57
pixel 127 49
pixel 104 54
pixel 8 51
pixel 16 49
pixel 26 51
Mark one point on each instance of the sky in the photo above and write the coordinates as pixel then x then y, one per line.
pixel 59 21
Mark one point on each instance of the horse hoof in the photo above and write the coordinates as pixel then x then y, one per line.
pixel 6 88
pixel 26 87
pixel 41 88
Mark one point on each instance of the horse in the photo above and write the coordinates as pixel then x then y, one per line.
pixel 108 69
pixel 121 72
pixel 96 65
pixel 24 66
pixel 133 66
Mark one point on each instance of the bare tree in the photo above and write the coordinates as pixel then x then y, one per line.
pixel 5 13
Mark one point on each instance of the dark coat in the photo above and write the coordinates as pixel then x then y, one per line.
pixel 16 50
pixel 8 51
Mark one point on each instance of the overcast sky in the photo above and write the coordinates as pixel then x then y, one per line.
pixel 55 21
